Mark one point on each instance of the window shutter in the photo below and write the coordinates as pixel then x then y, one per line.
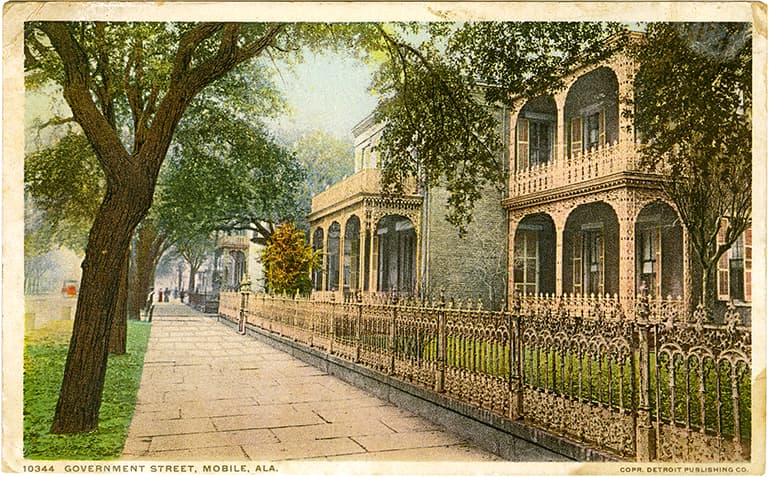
pixel 748 257
pixel 602 127
pixel 575 136
pixel 722 268
pixel 523 144
pixel 576 262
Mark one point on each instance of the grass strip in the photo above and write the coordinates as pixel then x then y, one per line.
pixel 45 351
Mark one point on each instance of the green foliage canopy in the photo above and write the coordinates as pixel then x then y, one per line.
pixel 65 184
pixel 693 108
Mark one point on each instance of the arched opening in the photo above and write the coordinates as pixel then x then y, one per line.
pixel 238 261
pixel 332 258
pixel 396 255
pixel 352 254
pixel 535 133
pixel 659 251
pixel 317 244
pixel 591 111
pixel 534 255
pixel 591 250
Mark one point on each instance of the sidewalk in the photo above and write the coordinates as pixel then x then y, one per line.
pixel 208 393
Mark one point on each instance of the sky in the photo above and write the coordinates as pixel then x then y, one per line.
pixel 326 92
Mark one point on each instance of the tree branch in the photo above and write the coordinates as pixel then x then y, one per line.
pixel 109 150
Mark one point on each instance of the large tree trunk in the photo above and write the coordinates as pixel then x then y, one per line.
pixel 148 247
pixel 77 409
pixel 119 332
pixel 707 294
pixel 191 281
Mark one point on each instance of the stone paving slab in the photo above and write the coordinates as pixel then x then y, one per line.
pixel 208 393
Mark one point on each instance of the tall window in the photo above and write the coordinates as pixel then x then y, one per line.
pixel 593 242
pixel 351 253
pixel 588 260
pixel 649 259
pixel 332 258
pixel 541 144
pixel 526 262
pixel 535 142
pixel 737 271
pixel 591 130
pixel 734 269
pixel 587 131
pixel 317 244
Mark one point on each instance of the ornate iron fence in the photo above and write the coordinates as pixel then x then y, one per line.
pixel 650 383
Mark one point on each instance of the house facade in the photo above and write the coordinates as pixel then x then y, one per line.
pixel 237 259
pixel 585 214
pixel 378 243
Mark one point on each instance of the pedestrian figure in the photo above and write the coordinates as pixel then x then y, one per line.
pixel 160 295
pixel 165 296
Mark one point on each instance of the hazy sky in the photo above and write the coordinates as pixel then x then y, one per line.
pixel 326 92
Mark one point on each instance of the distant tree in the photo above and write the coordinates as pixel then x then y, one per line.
pixel 148 245
pixel 693 107
pixel 326 160
pixel 194 250
pixel 235 177
pixel 288 260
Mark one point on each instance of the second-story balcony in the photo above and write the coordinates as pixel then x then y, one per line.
pixel 236 242
pixel 604 161
pixel 364 182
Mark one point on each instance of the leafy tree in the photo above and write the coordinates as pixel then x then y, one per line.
pixel 288 260
pixel 194 250
pixel 224 170
pixel 149 73
pixel 149 243
pixel 234 177
pixel 693 105
pixel 128 86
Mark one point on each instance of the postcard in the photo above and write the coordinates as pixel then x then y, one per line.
pixel 440 238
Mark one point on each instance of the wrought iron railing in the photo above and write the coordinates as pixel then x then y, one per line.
pixel 660 386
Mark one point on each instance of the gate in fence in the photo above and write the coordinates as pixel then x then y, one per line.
pixel 650 384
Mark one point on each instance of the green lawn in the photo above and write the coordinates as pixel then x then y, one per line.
pixel 45 351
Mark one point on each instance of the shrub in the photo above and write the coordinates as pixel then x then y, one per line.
pixel 288 260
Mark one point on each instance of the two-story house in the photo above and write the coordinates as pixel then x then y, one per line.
pixel 585 214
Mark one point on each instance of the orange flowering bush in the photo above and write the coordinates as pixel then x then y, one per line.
pixel 288 260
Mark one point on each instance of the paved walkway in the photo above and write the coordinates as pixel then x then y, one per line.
pixel 208 393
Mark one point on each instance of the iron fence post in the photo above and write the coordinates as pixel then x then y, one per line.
pixel 393 317
pixel 245 291
pixel 332 335
pixel 645 439
pixel 440 371
pixel 358 321
pixel 516 374
pixel 295 330
pixel 310 310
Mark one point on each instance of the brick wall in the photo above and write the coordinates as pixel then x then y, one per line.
pixel 474 266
